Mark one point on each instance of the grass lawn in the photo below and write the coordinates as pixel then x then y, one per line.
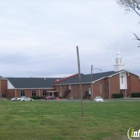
pixel 46 120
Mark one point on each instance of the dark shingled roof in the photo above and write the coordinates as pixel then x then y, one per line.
pixel 87 78
pixel 48 82
pixel 32 82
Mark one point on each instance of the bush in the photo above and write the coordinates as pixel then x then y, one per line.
pixel 3 95
pixel 117 95
pixel 38 97
pixel 135 94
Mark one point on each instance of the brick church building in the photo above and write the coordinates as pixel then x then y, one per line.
pixel 103 84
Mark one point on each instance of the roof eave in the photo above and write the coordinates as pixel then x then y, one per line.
pixel 36 88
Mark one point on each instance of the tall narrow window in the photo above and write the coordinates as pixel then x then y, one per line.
pixel 44 92
pixel 33 93
pixel 100 88
pixel 22 93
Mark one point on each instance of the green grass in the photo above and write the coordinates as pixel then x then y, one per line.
pixel 43 120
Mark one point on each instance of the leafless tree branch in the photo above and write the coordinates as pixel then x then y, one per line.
pixel 137 37
pixel 130 4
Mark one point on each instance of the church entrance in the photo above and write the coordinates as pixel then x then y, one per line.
pixel 123 91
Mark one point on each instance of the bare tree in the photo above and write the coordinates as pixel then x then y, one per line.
pixel 131 5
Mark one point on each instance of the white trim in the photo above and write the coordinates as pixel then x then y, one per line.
pixel 10 85
pixel 124 70
pixel 98 79
pixel 123 80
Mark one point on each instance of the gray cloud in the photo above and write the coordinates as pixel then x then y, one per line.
pixel 39 38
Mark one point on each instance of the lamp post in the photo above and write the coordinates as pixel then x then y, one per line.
pixel 91 81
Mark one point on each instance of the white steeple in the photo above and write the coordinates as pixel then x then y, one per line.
pixel 119 63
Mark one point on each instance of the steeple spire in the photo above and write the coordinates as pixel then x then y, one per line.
pixel 119 63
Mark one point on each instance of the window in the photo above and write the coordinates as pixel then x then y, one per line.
pixel 22 93
pixel 44 93
pixel 100 88
pixel 33 93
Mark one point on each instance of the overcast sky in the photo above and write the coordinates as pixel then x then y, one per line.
pixel 39 37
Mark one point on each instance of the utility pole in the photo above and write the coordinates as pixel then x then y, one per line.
pixel 78 60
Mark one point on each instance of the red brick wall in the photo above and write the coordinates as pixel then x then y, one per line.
pixel 10 93
pixel 109 85
pixel 96 89
pixel 75 90
pixel 134 83
pixel 61 89
pixel 4 86
pixel 104 88
pixel 28 92
pixel 114 86
pixel 128 85
pixel 106 80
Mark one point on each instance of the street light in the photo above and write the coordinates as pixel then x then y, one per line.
pixel 92 79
